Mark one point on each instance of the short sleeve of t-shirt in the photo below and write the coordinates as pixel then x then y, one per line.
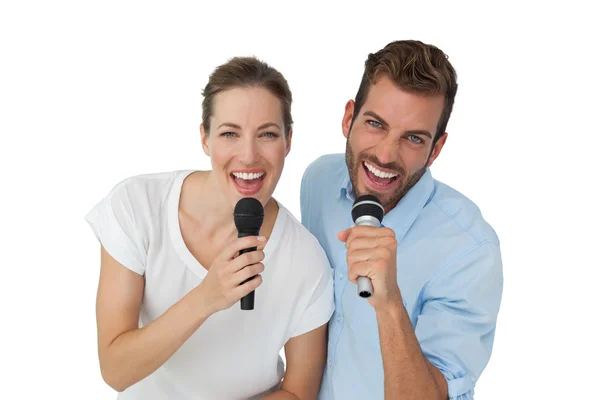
pixel 113 222
pixel 321 305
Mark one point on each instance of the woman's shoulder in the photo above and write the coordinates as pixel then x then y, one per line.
pixel 139 197
pixel 145 189
pixel 150 184
pixel 298 240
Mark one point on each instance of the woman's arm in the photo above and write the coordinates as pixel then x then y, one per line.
pixel 127 353
pixel 305 358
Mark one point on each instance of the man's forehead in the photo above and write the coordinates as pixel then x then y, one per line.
pixel 391 102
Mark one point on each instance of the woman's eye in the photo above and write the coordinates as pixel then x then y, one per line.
pixel 270 134
pixel 228 134
pixel 374 124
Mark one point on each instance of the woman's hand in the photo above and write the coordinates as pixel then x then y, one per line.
pixel 222 286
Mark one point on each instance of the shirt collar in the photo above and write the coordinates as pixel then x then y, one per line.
pixel 346 185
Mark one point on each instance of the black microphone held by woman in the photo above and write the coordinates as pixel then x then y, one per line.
pixel 248 216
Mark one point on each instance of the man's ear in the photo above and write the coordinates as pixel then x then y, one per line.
pixel 288 142
pixel 347 120
pixel 204 138
pixel 437 149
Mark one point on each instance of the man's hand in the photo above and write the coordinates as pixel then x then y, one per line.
pixel 371 252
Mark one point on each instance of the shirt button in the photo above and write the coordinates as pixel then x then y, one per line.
pixel 330 363
pixel 339 318
pixel 340 276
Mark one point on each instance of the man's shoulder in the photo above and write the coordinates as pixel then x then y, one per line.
pixel 461 213
pixel 325 168
pixel 321 181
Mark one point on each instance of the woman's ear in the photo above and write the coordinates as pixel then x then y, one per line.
pixel 204 137
pixel 288 143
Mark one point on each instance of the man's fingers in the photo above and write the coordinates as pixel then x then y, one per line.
pixel 369 242
pixel 359 268
pixel 369 254
pixel 385 236
pixel 371 231
pixel 343 235
pixel 363 231
pixel 360 255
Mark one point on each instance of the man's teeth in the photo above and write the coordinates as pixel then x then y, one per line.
pixel 248 177
pixel 379 173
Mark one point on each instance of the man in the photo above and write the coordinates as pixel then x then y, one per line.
pixel 426 332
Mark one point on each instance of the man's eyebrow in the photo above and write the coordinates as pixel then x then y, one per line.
pixel 377 117
pixel 383 122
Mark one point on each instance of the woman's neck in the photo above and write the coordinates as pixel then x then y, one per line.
pixel 214 213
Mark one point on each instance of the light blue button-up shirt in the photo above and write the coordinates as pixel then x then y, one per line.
pixel 449 272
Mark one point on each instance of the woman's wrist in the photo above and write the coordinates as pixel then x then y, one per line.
pixel 197 305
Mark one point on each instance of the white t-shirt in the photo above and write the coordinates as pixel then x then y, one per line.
pixel 235 353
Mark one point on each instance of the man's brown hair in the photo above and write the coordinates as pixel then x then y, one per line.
pixel 247 72
pixel 415 67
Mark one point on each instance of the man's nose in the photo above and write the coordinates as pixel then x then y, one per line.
pixel 387 151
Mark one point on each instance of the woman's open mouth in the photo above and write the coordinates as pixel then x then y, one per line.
pixel 248 183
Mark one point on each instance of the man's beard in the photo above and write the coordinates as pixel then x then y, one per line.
pixel 354 164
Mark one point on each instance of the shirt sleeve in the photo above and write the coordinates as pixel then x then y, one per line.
pixel 320 306
pixel 113 223
pixel 305 200
pixel 458 320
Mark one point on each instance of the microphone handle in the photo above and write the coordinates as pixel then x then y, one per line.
pixel 365 287
pixel 247 302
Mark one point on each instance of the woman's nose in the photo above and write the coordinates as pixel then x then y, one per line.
pixel 249 152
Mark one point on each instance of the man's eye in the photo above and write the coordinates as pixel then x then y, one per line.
pixel 415 139
pixel 374 124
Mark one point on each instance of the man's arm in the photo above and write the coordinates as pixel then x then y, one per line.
pixel 445 353
pixel 305 358
pixel 408 374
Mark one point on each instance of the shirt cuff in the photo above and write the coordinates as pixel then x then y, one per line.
pixel 461 388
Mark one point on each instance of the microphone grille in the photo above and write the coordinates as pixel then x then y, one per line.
pixel 248 214
pixel 367 205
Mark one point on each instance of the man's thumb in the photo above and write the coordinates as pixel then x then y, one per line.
pixel 343 235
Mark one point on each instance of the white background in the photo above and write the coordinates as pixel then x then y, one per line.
pixel 91 93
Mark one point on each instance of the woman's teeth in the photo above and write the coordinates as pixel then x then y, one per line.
pixel 248 177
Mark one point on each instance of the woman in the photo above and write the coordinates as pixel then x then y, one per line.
pixel 169 321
